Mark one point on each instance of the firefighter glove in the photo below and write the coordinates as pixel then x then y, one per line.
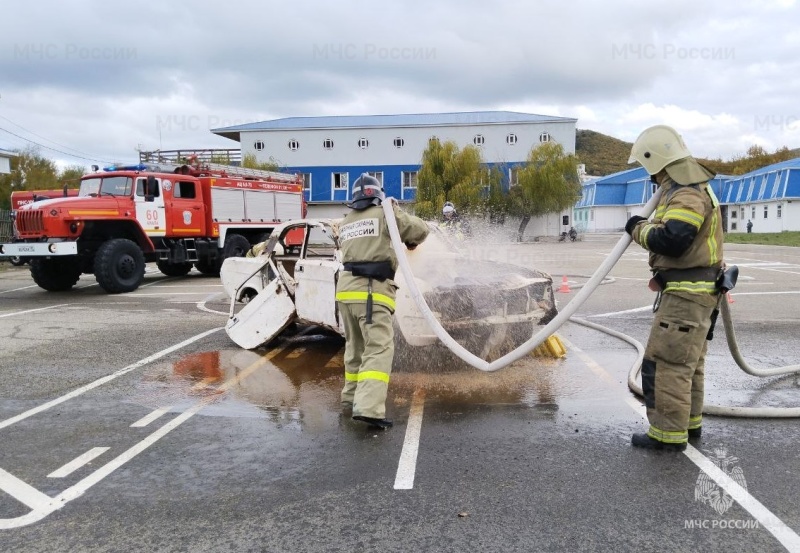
pixel 632 222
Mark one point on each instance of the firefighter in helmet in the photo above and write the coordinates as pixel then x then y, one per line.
pixel 685 240
pixel 453 222
pixel 365 293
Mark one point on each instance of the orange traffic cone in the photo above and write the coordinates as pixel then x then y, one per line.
pixel 564 286
pixel 730 297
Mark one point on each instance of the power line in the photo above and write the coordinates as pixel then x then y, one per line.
pixel 44 137
pixel 53 149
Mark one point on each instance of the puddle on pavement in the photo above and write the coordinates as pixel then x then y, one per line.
pixel 297 384
pixel 304 378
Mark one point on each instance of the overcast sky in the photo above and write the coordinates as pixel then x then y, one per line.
pixel 101 78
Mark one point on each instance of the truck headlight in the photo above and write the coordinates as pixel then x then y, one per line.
pixel 52 248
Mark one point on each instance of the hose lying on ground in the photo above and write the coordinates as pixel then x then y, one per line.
pixel 566 313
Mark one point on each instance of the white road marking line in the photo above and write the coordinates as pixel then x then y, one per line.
pixel 407 466
pixel 150 417
pixel 105 379
pixel 188 284
pixel 23 492
pixel 33 310
pixel 779 529
pixel 78 462
pixel 47 505
pixel 18 289
pixel 737 294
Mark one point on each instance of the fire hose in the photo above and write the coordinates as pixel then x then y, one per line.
pixel 566 315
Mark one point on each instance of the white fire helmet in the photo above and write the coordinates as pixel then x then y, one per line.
pixel 657 147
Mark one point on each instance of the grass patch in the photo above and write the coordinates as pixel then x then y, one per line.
pixel 765 238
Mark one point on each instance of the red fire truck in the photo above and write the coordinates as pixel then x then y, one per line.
pixel 177 216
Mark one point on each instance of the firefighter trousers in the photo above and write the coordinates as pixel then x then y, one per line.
pixel 673 368
pixel 368 356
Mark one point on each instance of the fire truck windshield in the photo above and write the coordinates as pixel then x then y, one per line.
pixel 106 186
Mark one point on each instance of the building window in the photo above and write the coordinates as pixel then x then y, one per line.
pixel 478 140
pixel 399 142
pixel 733 214
pixel 752 212
pixel 742 217
pixel 363 143
pixel 780 210
pixel 733 225
pixel 258 145
pixel 294 145
pixel 339 181
pixel 377 174
pixel 410 179
pixel 766 211
pixel 511 139
pixel 544 137
pixel 513 176
pixel 306 181
pixel 327 144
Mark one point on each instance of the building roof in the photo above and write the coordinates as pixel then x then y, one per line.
pixel 6 153
pixel 772 182
pixel 400 120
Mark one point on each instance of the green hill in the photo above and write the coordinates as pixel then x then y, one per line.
pixel 603 155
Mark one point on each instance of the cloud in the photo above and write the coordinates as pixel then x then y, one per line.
pixel 105 76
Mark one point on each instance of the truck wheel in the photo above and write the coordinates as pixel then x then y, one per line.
pixel 18 261
pixel 207 267
pixel 174 269
pixel 236 245
pixel 119 266
pixel 55 274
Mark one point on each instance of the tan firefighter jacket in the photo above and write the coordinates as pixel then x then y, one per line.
pixel 364 239
pixel 685 239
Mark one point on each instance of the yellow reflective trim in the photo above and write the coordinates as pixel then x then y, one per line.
pixel 177 230
pixel 668 436
pixel 685 215
pixel 643 235
pixel 362 296
pixel 93 212
pixel 713 247
pixel 366 375
pixel 695 422
pixel 703 287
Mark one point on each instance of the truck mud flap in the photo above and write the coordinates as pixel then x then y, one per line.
pixel 263 317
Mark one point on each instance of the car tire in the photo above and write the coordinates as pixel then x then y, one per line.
pixel 55 274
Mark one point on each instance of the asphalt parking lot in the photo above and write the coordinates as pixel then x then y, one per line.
pixel 131 422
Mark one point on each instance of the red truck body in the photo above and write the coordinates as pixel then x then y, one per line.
pixel 176 216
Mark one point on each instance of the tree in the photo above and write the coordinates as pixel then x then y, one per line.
pixel 29 171
pixel 448 173
pixel 251 162
pixel 548 182
pixel 71 175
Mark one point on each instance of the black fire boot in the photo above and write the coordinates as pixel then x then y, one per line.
pixel 644 441
pixel 695 433
pixel 379 423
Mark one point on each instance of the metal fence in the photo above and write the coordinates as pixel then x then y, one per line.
pixel 6 229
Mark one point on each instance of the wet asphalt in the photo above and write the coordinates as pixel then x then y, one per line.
pixel 250 451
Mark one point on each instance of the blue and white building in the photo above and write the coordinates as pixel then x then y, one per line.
pixel 608 202
pixel 5 161
pixel 769 197
pixel 331 152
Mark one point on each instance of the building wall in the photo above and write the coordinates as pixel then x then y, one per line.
pixel 381 154
pixel 5 165
pixel 764 216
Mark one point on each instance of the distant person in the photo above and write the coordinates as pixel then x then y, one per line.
pixel 749 226
pixel 685 242
pixel 452 221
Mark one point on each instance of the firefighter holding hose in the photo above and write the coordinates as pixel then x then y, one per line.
pixel 684 239
pixel 365 293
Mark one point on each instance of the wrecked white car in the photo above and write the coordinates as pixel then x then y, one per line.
pixel 488 307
